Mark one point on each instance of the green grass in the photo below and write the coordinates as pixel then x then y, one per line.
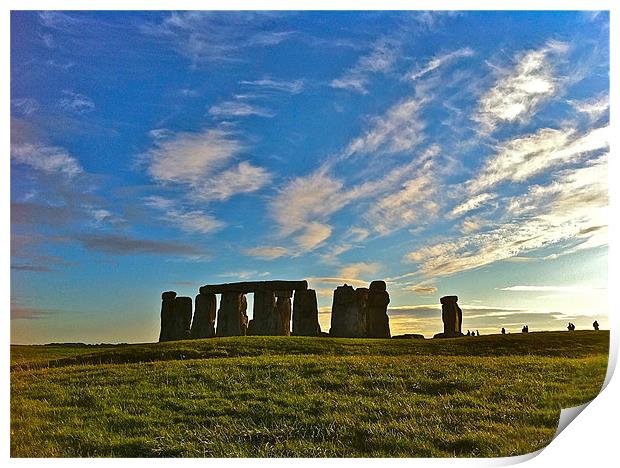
pixel 302 397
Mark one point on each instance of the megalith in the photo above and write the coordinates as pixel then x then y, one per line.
pixel 167 316
pixel 232 319
pixel 349 313
pixel 452 317
pixel 182 318
pixel 203 324
pixel 376 311
pixel 283 312
pixel 305 313
pixel 265 319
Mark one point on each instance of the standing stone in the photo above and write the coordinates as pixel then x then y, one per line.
pixel 452 317
pixel 349 317
pixel 305 313
pixel 167 316
pixel 283 312
pixel 231 318
pixel 203 325
pixel 182 318
pixel 378 321
pixel 266 320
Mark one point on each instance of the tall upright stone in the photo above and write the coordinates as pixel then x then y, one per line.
pixel 305 313
pixel 266 320
pixel 203 324
pixel 349 314
pixel 452 317
pixel 283 312
pixel 377 319
pixel 167 316
pixel 232 319
pixel 182 318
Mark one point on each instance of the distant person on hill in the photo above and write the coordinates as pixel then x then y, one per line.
pixel 571 326
pixel 503 331
pixel 468 333
pixel 477 333
pixel 595 325
pixel 525 329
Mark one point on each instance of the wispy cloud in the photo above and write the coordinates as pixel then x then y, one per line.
pixel 380 59
pixel 48 159
pixel 238 109
pixel 562 211
pixel 519 91
pixel 25 106
pixel 438 61
pixel 208 36
pixel 76 103
pixel 202 161
pixel 472 204
pixel 271 85
pixel 192 221
pixel 521 158
pixel 559 289
pixel 399 129
pixel 593 108
pixel 359 270
pixel 267 253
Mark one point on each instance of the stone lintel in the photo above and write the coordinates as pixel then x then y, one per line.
pixel 253 286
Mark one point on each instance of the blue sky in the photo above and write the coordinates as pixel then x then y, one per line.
pixel 445 152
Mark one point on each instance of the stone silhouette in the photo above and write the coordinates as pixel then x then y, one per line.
pixel 305 313
pixel 452 317
pixel 167 316
pixel 283 312
pixel 595 325
pixel 205 308
pixel 349 313
pixel 378 323
pixel 232 319
pixel 408 336
pixel 182 318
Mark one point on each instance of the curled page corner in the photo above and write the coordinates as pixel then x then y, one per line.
pixel 567 415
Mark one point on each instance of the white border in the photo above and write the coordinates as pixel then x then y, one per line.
pixel 592 440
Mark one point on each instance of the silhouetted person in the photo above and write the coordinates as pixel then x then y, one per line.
pixel 595 325
pixel 468 333
pixel 503 331
pixel 477 333
pixel 525 329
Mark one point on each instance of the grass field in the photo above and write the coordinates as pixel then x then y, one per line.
pixel 302 397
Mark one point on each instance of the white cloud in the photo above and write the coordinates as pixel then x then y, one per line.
pixel 313 235
pixel 379 60
pixel 242 178
pixel 521 158
pixel 422 289
pixel 569 209
pixel 359 270
pixel 593 108
pixel 560 289
pixel 77 103
pixel 472 224
pixel 521 90
pixel 472 204
pixel 25 106
pixel 438 61
pixel 268 253
pixel 48 159
pixel 357 234
pixel 192 221
pixel 238 109
pixel 271 85
pixel 189 157
pixel 398 130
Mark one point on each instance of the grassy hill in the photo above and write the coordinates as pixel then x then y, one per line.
pixel 302 397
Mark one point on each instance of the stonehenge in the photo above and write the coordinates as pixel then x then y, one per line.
pixel 355 313
pixel 452 317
